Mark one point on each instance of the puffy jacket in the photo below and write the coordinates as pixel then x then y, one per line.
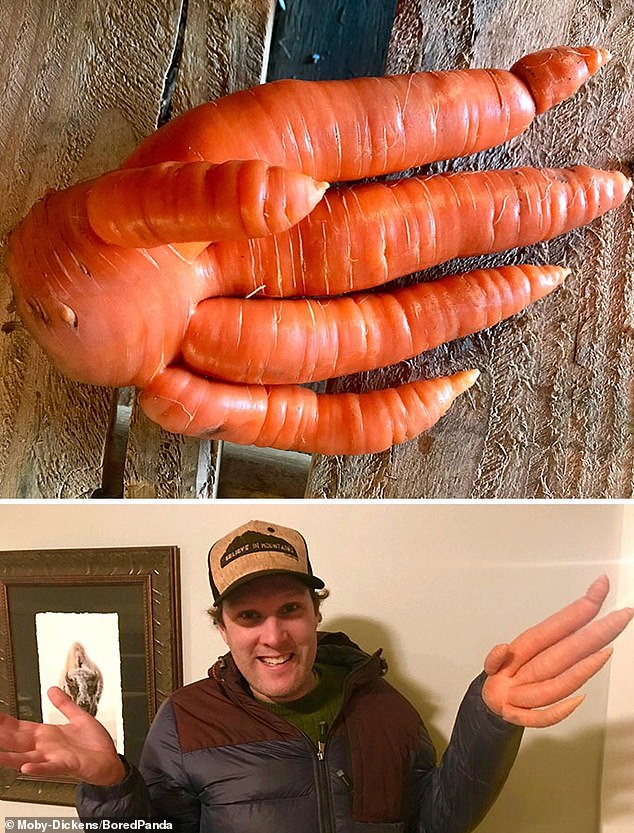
pixel 218 761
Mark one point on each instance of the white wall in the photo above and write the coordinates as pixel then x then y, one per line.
pixel 617 805
pixel 436 585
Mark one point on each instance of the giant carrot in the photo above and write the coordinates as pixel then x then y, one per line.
pixel 116 278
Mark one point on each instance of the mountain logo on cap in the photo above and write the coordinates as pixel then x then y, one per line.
pixel 252 542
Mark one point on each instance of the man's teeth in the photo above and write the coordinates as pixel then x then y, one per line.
pixel 275 660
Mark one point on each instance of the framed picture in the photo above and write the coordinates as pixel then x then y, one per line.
pixel 104 625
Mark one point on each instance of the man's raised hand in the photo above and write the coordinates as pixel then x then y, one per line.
pixel 80 749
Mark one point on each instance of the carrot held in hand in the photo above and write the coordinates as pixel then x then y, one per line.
pixel 532 681
pixel 154 275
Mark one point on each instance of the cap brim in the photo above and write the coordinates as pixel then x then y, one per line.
pixel 313 582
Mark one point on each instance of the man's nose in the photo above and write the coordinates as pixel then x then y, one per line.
pixel 273 631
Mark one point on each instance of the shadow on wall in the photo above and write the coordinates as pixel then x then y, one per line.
pixel 371 636
pixel 617 793
pixel 556 784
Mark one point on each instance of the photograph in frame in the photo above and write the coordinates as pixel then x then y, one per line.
pixel 80 653
pixel 102 623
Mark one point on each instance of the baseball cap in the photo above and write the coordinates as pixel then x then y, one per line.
pixel 258 548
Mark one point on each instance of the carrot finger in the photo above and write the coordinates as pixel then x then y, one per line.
pixel 361 127
pixel 558 657
pixel 551 630
pixel 546 692
pixel 542 718
pixel 369 234
pixel 496 658
pixel 292 417
pixel 179 203
pixel 271 341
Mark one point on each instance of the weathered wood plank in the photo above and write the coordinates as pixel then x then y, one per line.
pixel 552 413
pixel 247 472
pixel 79 83
pixel 225 48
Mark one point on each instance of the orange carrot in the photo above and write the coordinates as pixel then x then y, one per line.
pixel 554 74
pixel 531 679
pixel 110 275
pixel 293 417
pixel 175 203
pixel 366 236
pixel 268 341
pixel 106 315
pixel 361 127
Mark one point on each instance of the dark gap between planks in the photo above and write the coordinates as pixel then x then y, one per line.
pixel 116 440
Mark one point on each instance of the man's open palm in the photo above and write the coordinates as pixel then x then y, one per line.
pixel 80 749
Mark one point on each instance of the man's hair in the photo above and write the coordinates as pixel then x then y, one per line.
pixel 317 597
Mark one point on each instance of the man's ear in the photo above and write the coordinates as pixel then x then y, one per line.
pixel 220 627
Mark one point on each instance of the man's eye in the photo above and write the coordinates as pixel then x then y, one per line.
pixel 291 607
pixel 248 615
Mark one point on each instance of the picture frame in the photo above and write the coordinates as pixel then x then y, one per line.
pixel 71 616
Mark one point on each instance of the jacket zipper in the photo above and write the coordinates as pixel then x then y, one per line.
pixel 327 821
pixel 326 813
pixel 326 816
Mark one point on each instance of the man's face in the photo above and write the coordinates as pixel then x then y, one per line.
pixel 270 626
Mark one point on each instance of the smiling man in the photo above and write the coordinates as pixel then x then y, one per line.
pixel 298 730
pixel 271 630
pixel 266 608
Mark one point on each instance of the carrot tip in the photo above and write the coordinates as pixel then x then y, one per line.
pixel 599 589
pixel 468 378
pixel 605 55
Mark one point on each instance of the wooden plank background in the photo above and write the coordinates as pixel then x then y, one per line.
pixel 69 111
pixel 80 84
pixel 551 415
